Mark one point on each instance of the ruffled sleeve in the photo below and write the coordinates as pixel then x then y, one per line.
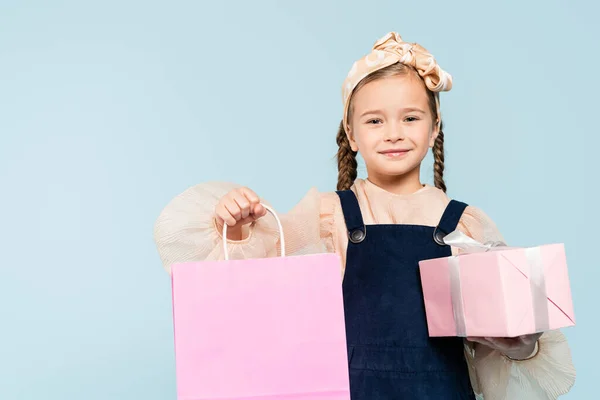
pixel 478 225
pixel 186 230
pixel 548 374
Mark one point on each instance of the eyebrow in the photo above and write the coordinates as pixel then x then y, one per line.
pixel 406 109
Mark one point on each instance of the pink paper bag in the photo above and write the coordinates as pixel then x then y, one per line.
pixel 497 292
pixel 269 328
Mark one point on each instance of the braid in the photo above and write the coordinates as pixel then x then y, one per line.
pixel 346 158
pixel 438 163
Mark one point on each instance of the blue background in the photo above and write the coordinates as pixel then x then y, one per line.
pixel 109 109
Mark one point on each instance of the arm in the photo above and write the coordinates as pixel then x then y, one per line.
pixel 187 230
pixel 537 369
pixel 545 376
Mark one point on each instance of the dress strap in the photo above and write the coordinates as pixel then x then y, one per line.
pixel 357 230
pixel 449 221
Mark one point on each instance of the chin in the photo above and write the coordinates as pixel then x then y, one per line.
pixel 397 168
pixel 391 172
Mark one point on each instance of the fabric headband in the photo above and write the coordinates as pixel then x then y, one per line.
pixel 389 50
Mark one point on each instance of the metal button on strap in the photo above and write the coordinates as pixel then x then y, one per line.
pixel 357 235
pixel 438 237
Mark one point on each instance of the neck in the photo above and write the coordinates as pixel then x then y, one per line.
pixel 398 184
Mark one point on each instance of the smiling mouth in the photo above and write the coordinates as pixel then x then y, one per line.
pixel 394 153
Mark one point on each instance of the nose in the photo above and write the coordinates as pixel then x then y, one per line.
pixel 394 133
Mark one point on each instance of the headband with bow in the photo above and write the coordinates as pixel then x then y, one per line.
pixel 389 50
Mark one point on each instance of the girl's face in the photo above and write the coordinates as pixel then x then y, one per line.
pixel 392 127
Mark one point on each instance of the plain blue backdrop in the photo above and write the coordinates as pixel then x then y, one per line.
pixel 109 109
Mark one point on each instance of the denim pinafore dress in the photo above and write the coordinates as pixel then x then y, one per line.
pixel 390 354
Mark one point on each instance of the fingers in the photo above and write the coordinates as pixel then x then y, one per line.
pixel 239 206
pixel 512 347
pixel 248 203
pixel 242 206
pixel 479 340
pixel 530 339
pixel 234 210
pixel 259 211
pixel 250 195
pixel 223 213
pixel 503 344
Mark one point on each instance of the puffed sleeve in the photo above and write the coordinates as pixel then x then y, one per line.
pixel 186 229
pixel 546 375
pixel 479 226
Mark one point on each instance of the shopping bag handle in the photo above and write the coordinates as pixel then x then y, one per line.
pixel 282 241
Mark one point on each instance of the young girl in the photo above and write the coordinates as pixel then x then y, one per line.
pixel 381 227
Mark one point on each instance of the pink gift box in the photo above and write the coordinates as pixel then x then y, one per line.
pixel 502 292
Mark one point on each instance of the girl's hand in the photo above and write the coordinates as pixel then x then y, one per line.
pixel 518 348
pixel 236 209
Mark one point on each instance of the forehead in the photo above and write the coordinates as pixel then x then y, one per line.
pixel 392 92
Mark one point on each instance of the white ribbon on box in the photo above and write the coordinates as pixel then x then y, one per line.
pixel 537 280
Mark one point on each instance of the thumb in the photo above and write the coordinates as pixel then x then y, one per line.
pixel 259 211
pixel 529 339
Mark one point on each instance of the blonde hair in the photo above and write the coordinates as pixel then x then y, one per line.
pixel 346 157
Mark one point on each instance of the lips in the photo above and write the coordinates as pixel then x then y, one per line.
pixel 393 151
pixel 396 154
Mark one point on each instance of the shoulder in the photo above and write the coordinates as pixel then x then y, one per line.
pixel 330 205
pixel 441 198
pixel 470 213
pixel 331 202
pixel 477 224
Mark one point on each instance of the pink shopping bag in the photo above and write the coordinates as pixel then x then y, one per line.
pixel 270 328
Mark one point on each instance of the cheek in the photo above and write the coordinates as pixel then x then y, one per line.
pixel 423 135
pixel 363 137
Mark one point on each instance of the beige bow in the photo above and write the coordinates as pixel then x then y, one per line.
pixel 389 50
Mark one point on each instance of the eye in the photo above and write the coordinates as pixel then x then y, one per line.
pixel 411 119
pixel 374 121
